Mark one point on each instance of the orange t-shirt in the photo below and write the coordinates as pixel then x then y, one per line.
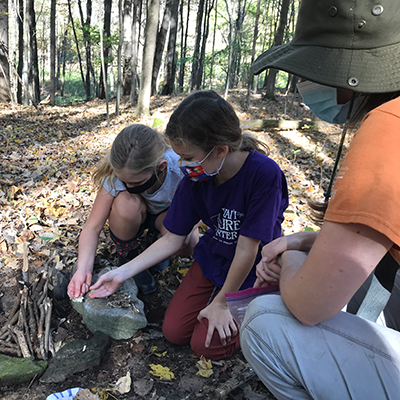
pixel 367 188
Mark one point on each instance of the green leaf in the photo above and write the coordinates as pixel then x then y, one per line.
pixel 157 122
pixel 309 229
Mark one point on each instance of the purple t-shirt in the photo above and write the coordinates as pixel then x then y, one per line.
pixel 250 204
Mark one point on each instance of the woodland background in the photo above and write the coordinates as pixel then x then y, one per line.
pixel 65 50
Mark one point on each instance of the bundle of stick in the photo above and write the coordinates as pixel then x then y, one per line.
pixel 27 330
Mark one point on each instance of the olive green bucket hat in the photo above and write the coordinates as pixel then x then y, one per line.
pixel 350 44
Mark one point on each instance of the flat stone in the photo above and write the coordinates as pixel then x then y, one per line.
pixel 76 356
pixel 15 371
pixel 119 316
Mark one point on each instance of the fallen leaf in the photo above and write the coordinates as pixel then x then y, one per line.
pixel 123 384
pixel 205 367
pixel 161 372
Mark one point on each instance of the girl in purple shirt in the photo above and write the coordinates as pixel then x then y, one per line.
pixel 240 194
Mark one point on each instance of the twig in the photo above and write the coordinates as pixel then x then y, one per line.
pixel 21 341
pixel 25 264
pixel 40 332
pixel 48 308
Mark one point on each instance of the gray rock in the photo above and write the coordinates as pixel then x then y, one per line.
pixel 120 315
pixel 76 356
pixel 14 370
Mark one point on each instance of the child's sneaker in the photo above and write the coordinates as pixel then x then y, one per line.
pixel 145 282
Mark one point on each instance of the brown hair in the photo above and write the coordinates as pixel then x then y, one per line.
pixel 137 148
pixel 205 120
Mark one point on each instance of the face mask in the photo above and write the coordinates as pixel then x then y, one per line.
pixel 323 103
pixel 142 188
pixel 195 171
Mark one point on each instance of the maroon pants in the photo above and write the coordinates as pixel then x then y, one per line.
pixel 181 325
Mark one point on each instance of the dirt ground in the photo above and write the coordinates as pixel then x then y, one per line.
pixel 45 164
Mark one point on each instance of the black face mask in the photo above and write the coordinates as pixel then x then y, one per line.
pixel 142 188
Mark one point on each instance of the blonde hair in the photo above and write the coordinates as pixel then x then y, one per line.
pixel 137 148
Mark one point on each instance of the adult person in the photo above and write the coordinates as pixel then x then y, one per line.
pixel 300 343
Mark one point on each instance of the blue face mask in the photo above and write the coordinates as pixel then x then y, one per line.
pixel 322 102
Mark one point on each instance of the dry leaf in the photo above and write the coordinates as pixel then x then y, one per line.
pixel 162 372
pixel 205 367
pixel 123 384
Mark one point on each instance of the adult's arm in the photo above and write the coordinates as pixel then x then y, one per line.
pixel 316 287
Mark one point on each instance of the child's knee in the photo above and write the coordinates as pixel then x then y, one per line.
pixel 173 333
pixel 128 206
pixel 216 350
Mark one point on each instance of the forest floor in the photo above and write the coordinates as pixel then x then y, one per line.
pixel 46 161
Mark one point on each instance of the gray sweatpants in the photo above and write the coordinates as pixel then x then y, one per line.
pixel 343 358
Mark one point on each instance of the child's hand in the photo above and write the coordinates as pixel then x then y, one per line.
pixel 79 284
pixel 219 318
pixel 107 284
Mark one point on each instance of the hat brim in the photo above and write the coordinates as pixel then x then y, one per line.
pixel 375 70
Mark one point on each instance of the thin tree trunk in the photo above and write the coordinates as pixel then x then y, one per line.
pixel 86 36
pixel 196 64
pixel 106 49
pixel 77 48
pixel 5 91
pixel 213 45
pixel 148 58
pixel 20 21
pixel 137 10
pixel 183 47
pixel 253 52
pixel 119 55
pixel 103 67
pixel 34 65
pixel 53 52
pixel 169 79
pixel 160 44
pixel 270 92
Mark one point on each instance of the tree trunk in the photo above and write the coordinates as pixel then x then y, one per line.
pixel 213 45
pixel 206 29
pixel 169 77
pixel 5 94
pixel 78 52
pixel 103 68
pixel 137 10
pixel 183 46
pixel 148 57
pixel 20 21
pixel 160 44
pixel 278 40
pixel 86 36
pixel 53 52
pixel 253 51
pixel 34 64
pixel 196 64
pixel 106 38
pixel 127 46
pixel 230 41
pixel 119 55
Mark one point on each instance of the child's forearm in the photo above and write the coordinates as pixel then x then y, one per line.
pixel 88 242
